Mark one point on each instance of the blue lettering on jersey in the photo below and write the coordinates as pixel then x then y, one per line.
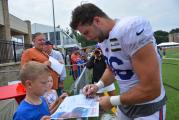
pixel 123 74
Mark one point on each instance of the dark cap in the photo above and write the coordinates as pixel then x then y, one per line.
pixel 75 48
pixel 48 43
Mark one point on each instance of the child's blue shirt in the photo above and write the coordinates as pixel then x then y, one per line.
pixel 27 111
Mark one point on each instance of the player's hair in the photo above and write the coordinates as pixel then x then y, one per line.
pixel 32 70
pixel 84 14
pixel 35 35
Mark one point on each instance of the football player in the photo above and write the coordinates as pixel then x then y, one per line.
pixel 131 54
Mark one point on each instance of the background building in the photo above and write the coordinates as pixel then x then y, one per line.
pixel 11 26
pixel 12 29
pixel 174 37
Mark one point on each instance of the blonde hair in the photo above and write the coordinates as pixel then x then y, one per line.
pixel 32 70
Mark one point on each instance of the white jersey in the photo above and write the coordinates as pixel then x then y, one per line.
pixel 128 36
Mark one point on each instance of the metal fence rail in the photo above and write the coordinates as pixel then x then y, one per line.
pixel 84 78
pixel 10 51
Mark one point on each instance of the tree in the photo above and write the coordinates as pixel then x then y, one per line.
pixel 81 39
pixel 161 36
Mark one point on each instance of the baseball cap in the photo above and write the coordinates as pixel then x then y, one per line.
pixel 75 48
pixel 48 43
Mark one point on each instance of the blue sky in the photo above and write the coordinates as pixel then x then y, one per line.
pixel 163 14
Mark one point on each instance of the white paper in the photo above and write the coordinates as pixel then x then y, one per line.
pixel 56 65
pixel 77 106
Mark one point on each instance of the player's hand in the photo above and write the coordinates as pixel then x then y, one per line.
pixel 104 103
pixel 45 117
pixel 90 90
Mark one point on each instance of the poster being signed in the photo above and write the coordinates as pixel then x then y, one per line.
pixel 77 106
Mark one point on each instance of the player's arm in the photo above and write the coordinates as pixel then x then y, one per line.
pixel 107 77
pixel 146 66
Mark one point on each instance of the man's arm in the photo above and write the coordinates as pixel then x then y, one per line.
pixel 107 77
pixel 25 57
pixel 61 60
pixel 146 66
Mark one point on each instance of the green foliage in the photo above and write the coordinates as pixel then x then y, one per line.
pixel 161 36
pixel 161 33
pixel 81 39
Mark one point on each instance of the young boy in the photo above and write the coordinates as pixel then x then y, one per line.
pixel 34 77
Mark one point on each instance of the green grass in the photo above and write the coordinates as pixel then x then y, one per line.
pixel 170 74
pixel 68 81
pixel 172 52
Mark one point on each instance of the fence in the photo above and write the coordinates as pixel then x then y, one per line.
pixel 83 79
pixel 10 51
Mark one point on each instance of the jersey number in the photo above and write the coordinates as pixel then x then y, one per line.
pixel 123 74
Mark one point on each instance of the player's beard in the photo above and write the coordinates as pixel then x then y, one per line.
pixel 101 35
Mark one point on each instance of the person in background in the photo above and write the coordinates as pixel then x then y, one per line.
pixel 97 63
pixel 37 54
pixel 51 94
pixel 163 51
pixel 48 48
pixel 75 56
pixel 131 54
pixel 34 76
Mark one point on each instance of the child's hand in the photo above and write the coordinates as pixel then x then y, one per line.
pixel 63 96
pixel 48 63
pixel 45 117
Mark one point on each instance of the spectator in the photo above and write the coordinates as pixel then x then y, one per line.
pixel 34 76
pixel 164 51
pixel 50 95
pixel 75 56
pixel 97 63
pixel 48 48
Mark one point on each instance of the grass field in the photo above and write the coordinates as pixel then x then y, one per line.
pixel 170 74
